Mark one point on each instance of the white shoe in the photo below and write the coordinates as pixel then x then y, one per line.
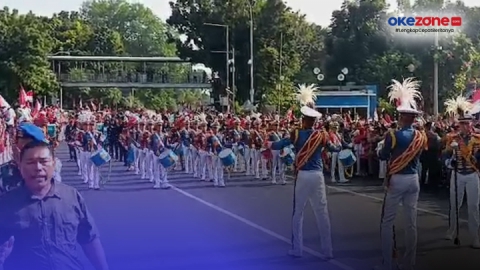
pixel 165 186
pixel 475 244
pixel 295 254
pixel 449 235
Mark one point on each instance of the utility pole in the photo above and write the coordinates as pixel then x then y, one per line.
pixel 234 88
pixel 435 76
pixel 227 50
pixel 252 91
pixel 280 70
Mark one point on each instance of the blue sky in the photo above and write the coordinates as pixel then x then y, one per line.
pixel 315 10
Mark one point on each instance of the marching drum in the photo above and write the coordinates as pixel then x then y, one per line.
pixel 266 153
pixel 287 156
pixel 100 127
pixel 100 157
pixel 52 130
pixel 178 149
pixel 241 149
pixel 347 158
pixel 380 147
pixel 167 158
pixel 227 157
pixel 215 141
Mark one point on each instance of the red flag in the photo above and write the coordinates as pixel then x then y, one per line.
pixel 94 108
pixel 29 96
pixel 36 109
pixel 22 97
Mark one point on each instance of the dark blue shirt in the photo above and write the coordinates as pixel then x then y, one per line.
pixel 315 162
pixel 46 230
pixel 394 147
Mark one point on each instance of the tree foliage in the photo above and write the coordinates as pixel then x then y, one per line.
pixel 98 28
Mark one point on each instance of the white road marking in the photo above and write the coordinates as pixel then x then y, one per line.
pixel 339 189
pixel 258 227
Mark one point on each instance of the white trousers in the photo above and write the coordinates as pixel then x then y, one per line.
pixel 310 186
pixel 277 164
pixel 404 189
pixel 465 184
pixel 90 172
pixel 341 170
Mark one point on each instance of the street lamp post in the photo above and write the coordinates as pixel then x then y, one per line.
pixel 341 78
pixel 227 48
pixel 435 75
pixel 234 90
pixel 252 91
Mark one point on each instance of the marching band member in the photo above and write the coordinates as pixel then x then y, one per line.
pixel 402 148
pixel 256 147
pixel 337 139
pixel 246 140
pixel 184 141
pixel 214 142
pixel 90 145
pixel 150 156
pixel 194 156
pixel 81 163
pixel 157 145
pixel 236 136
pixel 276 161
pixel 463 154
pixel 202 146
pixel 309 179
pixel 143 155
pixel 123 142
pixel 359 136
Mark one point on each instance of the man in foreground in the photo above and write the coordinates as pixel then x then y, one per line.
pixel 42 221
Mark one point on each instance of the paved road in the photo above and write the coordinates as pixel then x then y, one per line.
pixel 246 225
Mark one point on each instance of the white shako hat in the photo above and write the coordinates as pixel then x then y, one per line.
pixel 405 95
pixel 306 96
pixel 460 108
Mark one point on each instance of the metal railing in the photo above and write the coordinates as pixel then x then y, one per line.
pixel 134 78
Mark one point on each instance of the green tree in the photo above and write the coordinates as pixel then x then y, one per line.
pixel 23 50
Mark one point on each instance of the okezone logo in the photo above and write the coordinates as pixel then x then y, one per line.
pixel 421 21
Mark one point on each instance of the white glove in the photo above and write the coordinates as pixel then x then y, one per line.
pixel 448 163
pixel 350 145
pixel 454 144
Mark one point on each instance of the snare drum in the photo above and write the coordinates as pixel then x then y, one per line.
pixel 227 157
pixel 52 130
pixel 100 157
pixel 347 158
pixel 167 158
pixel 241 149
pixel 287 156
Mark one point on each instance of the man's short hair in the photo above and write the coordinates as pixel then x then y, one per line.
pixel 35 144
